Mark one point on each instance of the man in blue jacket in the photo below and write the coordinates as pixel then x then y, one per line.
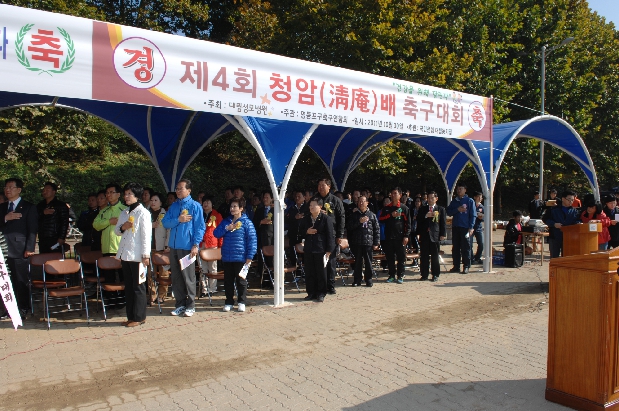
pixel 462 209
pixel 185 220
pixel 561 215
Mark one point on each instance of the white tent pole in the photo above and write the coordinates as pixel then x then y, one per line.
pixel 278 259
pixel 489 206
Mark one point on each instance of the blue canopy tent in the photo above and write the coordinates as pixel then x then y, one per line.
pixel 171 96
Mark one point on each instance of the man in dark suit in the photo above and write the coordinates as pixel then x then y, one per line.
pixel 431 227
pixel 53 220
pixel 18 223
pixel 263 222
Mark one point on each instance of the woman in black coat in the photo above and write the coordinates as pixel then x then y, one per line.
pixel 317 232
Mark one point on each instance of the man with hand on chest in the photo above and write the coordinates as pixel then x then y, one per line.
pixel 432 229
pixel 19 224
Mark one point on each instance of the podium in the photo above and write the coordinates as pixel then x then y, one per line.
pixel 580 239
pixel 583 331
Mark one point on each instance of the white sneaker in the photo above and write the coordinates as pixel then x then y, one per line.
pixel 179 311
pixel 189 312
pixel 227 308
pixel 241 308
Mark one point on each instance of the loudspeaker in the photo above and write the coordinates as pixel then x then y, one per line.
pixel 514 255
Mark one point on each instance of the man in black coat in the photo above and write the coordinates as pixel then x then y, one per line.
pixel 536 206
pixel 18 223
pixel 53 220
pixel 334 209
pixel 317 232
pixel 432 228
pixel 397 220
pixel 363 235
pixel 263 222
pixel 293 216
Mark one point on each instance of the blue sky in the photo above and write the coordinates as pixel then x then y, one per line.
pixel 608 9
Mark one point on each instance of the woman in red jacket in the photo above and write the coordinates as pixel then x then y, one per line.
pixel 594 214
pixel 212 219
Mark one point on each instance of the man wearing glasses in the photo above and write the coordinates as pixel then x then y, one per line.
pixel 561 215
pixel 185 220
pixel 106 222
pixel 19 223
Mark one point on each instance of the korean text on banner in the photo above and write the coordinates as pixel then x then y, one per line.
pixel 7 294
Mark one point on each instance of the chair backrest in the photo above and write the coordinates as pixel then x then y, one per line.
pixel 90 257
pixel 299 248
pixel 62 267
pixel 40 259
pixel 160 258
pixel 81 248
pixel 210 254
pixel 109 263
pixel 268 250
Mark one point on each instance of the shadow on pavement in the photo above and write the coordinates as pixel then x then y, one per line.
pixel 500 288
pixel 502 395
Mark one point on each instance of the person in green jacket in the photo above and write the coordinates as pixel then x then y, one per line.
pixel 105 222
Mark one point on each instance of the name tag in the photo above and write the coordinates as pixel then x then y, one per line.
pixel 593 227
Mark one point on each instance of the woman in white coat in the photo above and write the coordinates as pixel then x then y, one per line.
pixel 135 228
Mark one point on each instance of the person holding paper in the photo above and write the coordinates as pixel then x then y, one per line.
pixel 240 244
pixel 185 220
pixel 135 228
pixel 319 242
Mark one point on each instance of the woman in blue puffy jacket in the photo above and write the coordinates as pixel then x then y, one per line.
pixel 239 247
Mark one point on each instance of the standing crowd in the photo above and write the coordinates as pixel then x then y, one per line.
pixel 320 225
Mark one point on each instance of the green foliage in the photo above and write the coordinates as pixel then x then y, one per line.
pixel 479 47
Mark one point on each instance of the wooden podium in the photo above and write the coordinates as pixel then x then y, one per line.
pixel 583 328
pixel 580 239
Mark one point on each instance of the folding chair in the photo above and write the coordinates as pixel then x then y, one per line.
pixel 159 259
pixel 298 251
pixel 211 254
pixel 269 251
pixel 37 260
pixel 90 276
pixel 108 263
pixel 79 249
pixel 64 268
pixel 344 262
pixel 410 255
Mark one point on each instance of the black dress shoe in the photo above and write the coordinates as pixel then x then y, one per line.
pixel 454 270
pixel 321 298
pixel 465 271
pixel 310 297
pixel 369 283
pixel 434 279
pixel 423 279
pixel 332 292
pixel 356 284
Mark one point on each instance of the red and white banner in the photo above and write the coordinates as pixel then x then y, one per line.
pixel 58 55
pixel 7 294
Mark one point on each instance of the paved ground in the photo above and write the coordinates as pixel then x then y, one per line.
pixel 468 342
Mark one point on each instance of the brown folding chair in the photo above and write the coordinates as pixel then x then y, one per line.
pixel 108 263
pixel 159 259
pixel 37 260
pixel 90 258
pixel 64 268
pixel 269 251
pixel 344 262
pixel 211 254
pixel 80 248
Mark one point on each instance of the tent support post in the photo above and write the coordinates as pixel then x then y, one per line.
pixel 489 208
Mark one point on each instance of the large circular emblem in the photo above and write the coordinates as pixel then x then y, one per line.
pixel 477 116
pixel 139 62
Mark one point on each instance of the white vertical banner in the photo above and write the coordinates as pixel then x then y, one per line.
pixel 7 294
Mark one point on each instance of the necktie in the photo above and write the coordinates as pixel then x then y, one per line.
pixel 10 206
pixel 266 211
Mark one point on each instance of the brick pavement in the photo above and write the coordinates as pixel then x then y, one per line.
pixel 468 342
